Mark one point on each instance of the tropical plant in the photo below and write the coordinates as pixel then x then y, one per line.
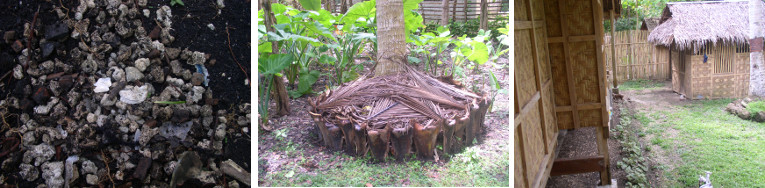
pixel 268 66
pixel 423 44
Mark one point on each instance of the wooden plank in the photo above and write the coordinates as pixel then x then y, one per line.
pixel 527 108
pixel 605 175
pixel 577 165
pixel 569 70
pixel 585 106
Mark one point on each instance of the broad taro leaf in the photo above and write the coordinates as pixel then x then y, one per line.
pixel 364 9
pixel 282 35
pixel 325 59
pixel 264 48
pixel 324 17
pixel 412 19
pixel 314 5
pixel 479 52
pixel 275 63
pixel 307 79
pixel 318 28
pixel 364 36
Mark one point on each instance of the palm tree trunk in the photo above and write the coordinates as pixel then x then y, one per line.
pixel 280 91
pixel 757 67
pixel 484 15
pixel 391 55
pixel 445 12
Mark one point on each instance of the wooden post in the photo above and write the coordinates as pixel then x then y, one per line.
pixel 465 9
pixel 613 49
pixel 602 136
pixel 454 11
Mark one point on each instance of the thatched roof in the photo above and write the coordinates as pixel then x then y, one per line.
pixel 649 23
pixel 690 25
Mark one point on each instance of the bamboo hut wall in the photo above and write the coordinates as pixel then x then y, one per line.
pixel 575 40
pixel 645 61
pixel 535 123
pixel 724 75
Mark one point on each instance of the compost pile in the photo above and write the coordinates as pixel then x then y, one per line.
pixel 100 99
pixel 392 113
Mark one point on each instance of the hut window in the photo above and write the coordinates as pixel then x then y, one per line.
pixel 742 48
pixel 724 58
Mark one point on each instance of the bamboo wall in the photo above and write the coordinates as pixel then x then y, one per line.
pixel 636 58
pixel 432 10
pixel 559 83
pixel 724 75
pixel 535 125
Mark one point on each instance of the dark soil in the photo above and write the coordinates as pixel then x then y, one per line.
pixel 227 79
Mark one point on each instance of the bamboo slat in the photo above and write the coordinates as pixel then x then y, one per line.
pixel 646 62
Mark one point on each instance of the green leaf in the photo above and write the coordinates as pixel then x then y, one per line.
pixel 325 59
pixel 364 9
pixel 480 53
pixel 307 79
pixel 314 5
pixel 413 59
pixel 264 48
pixel 494 80
pixel 169 102
pixel 274 63
pixel 289 174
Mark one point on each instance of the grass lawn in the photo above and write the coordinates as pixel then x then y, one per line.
pixel 640 84
pixel 709 139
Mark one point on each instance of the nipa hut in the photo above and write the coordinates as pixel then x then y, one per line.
pixel 708 47
pixel 560 84
pixel 649 23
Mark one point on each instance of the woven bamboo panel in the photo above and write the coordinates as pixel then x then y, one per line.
pixel 686 59
pixel 578 18
pixel 538 9
pixel 557 58
pixel 551 128
pixel 520 10
pixel 533 142
pixel 585 72
pixel 521 180
pixel 552 18
pixel 723 86
pixel 544 70
pixel 590 118
pixel 524 67
pixel 565 120
pixel 701 86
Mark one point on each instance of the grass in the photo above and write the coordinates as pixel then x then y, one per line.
pixel 756 106
pixel 486 164
pixel 640 85
pixel 710 139
pixel 469 168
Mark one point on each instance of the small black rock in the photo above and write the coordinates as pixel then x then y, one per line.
pixel 55 31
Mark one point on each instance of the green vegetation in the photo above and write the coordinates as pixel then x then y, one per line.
pixel 640 85
pixel 709 139
pixel 756 106
pixel 309 45
pixel 634 162
pixel 472 167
